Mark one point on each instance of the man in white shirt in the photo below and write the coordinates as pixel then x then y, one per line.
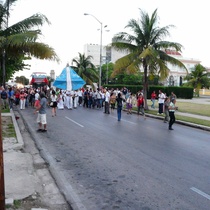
pixel 107 99
pixel 161 99
pixel 80 97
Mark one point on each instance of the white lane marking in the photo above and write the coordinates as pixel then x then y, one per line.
pixel 200 192
pixel 124 120
pixel 74 122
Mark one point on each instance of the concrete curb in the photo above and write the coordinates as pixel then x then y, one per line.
pixel 159 117
pixel 202 127
pixel 20 144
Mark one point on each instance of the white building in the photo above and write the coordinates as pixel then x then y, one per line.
pixel 176 74
pixel 108 54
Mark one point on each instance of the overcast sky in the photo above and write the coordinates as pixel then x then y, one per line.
pixel 70 29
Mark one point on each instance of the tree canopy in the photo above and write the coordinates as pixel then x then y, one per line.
pixel 146 48
pixel 198 78
pixel 20 41
pixel 85 68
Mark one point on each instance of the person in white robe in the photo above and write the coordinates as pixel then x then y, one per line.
pixel 67 101
pixel 60 104
pixel 64 99
pixel 71 99
pixel 75 99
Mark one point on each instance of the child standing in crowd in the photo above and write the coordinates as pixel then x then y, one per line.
pixel 129 104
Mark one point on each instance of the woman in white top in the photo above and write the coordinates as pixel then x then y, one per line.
pixel 53 103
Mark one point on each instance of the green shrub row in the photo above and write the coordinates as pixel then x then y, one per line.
pixel 181 92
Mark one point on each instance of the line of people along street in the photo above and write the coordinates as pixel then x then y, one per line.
pixel 105 99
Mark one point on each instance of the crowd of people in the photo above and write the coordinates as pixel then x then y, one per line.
pixel 106 99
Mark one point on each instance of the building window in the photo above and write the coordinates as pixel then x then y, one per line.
pixel 171 81
pixel 180 81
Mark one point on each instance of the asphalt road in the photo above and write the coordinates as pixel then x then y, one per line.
pixel 100 163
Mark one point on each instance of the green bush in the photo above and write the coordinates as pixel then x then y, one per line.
pixel 181 92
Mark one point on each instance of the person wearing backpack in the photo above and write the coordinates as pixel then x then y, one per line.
pixel 4 98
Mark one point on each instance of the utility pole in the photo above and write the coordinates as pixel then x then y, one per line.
pixel 5 45
pixel 2 189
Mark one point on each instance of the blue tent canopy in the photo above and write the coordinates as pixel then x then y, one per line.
pixel 69 80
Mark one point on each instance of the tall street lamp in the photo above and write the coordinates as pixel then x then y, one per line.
pixel 100 47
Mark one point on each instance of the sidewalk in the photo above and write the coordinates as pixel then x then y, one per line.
pixel 201 100
pixel 26 174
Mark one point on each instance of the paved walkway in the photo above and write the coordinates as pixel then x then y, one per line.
pixel 201 100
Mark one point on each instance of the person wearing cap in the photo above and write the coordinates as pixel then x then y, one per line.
pixel 41 110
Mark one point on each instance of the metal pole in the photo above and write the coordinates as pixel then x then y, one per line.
pixel 100 56
pixel 4 50
pixel 2 189
pixel 3 68
pixel 107 71
pixel 100 47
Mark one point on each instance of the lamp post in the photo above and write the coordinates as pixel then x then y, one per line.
pixel 100 47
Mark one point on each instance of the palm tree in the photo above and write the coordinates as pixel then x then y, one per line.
pixel 85 68
pixel 198 78
pixel 146 48
pixel 19 41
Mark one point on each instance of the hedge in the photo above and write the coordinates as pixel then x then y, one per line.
pixel 181 92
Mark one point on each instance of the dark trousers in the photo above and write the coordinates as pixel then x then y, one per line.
pixel 85 104
pixel 160 108
pixel 106 107
pixel 80 100
pixel 119 109
pixel 172 119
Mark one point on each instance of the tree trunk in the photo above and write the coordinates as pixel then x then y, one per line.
pixel 145 85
